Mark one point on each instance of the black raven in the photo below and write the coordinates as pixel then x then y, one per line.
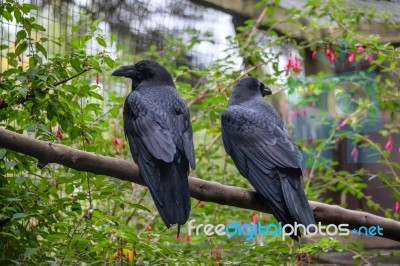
pixel 256 138
pixel 157 126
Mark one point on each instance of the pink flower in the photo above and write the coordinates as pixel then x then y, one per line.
pixel 396 206
pixel 330 54
pixel 389 144
pixel 179 238
pixel 116 142
pixel 289 64
pixel 119 253
pixel 254 218
pixel 354 153
pixel 351 58
pixel 297 65
pixel 201 96
pixel 368 58
pixel 360 49
pixel 188 238
pixel 59 134
pixel 342 124
pixel 293 64
pixel 314 54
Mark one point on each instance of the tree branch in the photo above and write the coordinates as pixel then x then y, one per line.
pixel 47 152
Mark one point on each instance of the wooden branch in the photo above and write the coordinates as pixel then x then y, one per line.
pixel 47 152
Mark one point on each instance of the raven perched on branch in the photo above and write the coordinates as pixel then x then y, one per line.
pixel 256 138
pixel 157 126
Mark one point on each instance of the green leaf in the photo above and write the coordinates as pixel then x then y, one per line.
pixel 75 28
pixel 41 49
pixel 96 65
pixel 38 27
pixel 29 252
pixel 26 8
pixel 7 15
pixel 20 35
pixel 21 48
pixel 75 42
pixel 3 46
pixel 95 95
pixel 110 62
pixel 93 28
pixel 10 164
pixel 23 92
pixel 76 64
pixel 17 16
pixel 2 153
pixel 101 41
pixel 13 199
pixel 69 189
pixel 19 215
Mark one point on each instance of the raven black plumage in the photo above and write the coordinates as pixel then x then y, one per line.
pixel 259 144
pixel 157 126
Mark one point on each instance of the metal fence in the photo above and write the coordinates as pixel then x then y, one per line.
pixel 133 24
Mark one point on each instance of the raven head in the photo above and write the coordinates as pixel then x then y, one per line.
pixel 247 88
pixel 264 90
pixel 144 70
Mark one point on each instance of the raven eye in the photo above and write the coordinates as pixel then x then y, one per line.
pixel 140 67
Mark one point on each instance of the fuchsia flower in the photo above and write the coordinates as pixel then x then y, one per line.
pixel 314 54
pixel 254 218
pixel 179 238
pixel 354 153
pixel 351 58
pixel 289 64
pixel 368 58
pixel 330 54
pixel 342 124
pixel 119 253
pixel 97 79
pixel 293 64
pixel 396 207
pixel 59 134
pixel 297 66
pixel 389 144
pixel 360 50
pixel 188 238
pixel 116 142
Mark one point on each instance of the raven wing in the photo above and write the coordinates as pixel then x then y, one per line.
pixel 264 153
pixel 160 139
pixel 150 139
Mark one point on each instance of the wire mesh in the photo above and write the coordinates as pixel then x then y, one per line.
pixel 135 25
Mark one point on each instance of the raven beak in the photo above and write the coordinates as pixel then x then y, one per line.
pixel 123 71
pixel 265 90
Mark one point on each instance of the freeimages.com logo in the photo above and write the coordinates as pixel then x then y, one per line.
pixel 251 230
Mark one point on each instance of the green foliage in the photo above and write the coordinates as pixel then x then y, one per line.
pixel 58 216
